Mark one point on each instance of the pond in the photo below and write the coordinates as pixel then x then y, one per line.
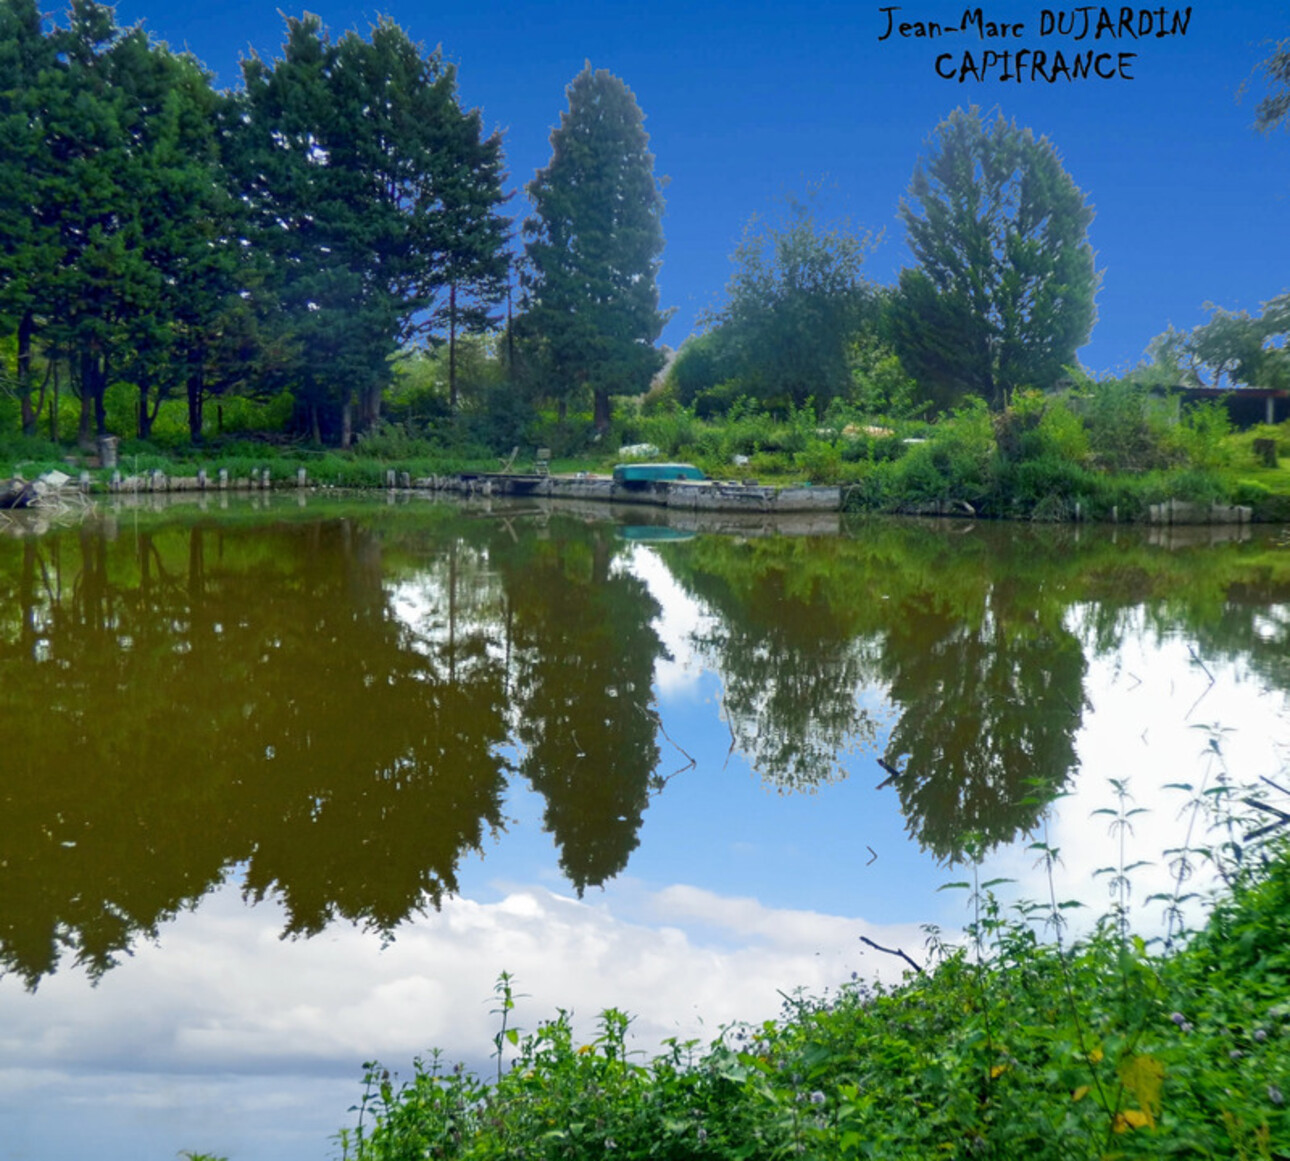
pixel 287 783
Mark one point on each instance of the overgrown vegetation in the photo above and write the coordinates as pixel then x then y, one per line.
pixel 1103 450
pixel 1023 1042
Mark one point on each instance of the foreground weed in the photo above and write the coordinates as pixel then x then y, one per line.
pixel 1013 1046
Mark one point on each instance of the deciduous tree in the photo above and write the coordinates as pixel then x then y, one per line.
pixel 1240 350
pixel 794 306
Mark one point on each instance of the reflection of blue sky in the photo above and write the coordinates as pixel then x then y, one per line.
pixel 225 1038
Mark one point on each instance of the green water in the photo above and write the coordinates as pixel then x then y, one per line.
pixel 335 698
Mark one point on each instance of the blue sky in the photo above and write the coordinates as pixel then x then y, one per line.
pixel 748 102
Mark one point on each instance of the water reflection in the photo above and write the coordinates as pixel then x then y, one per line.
pixel 985 680
pixel 335 703
pixel 584 650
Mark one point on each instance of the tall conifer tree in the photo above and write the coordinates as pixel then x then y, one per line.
pixel 1003 294
pixel 376 193
pixel 593 245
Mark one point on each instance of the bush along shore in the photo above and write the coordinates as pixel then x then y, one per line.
pixel 1101 457
pixel 1022 1043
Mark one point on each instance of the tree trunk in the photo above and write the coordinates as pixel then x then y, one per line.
pixel 100 403
pixel 346 423
pixel 196 391
pixel 370 409
pixel 602 411
pixel 53 406
pixel 452 348
pixel 26 328
pixel 510 334
pixel 84 437
pixel 145 420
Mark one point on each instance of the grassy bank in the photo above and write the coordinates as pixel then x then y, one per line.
pixel 1044 458
pixel 1019 1045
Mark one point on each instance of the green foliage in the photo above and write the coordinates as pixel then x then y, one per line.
pixel 704 362
pixel 956 462
pixel 881 386
pixel 1202 435
pixel 795 305
pixel 1238 349
pixel 192 245
pixel 1013 1046
pixel 1038 426
pixel 593 248
pixel 116 214
pixel 1126 431
pixel 1003 294
pixel 393 234
pixel 1105 452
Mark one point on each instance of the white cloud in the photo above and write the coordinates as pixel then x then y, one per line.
pixel 678 626
pixel 221 999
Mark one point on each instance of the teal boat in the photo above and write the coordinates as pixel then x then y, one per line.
pixel 651 533
pixel 640 475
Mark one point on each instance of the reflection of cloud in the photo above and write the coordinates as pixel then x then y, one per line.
pixel 221 998
pixel 749 920
pixel 1155 712
pixel 678 625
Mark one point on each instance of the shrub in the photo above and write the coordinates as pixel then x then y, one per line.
pixel 1199 486
pixel 500 418
pixel 1016 1046
pixel 716 401
pixel 1202 434
pixel 391 441
pixel 1126 428
pixel 1040 427
pixel 1047 488
pixel 821 462
pixel 673 432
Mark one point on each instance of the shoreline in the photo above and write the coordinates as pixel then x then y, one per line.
pixel 675 495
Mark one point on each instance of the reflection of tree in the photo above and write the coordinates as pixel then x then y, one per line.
pixel 989 711
pixel 182 701
pixel 585 651
pixel 185 700
pixel 969 644
pixel 788 646
pixel 388 759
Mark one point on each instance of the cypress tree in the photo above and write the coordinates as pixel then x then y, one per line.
pixel 593 246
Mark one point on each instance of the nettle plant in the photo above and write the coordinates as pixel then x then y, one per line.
pixel 1024 1040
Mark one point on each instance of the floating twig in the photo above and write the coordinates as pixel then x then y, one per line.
pixel 1196 658
pixel 891 951
pixel 892 772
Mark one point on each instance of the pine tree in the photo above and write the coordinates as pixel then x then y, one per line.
pixel 28 235
pixel 593 247
pixel 375 194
